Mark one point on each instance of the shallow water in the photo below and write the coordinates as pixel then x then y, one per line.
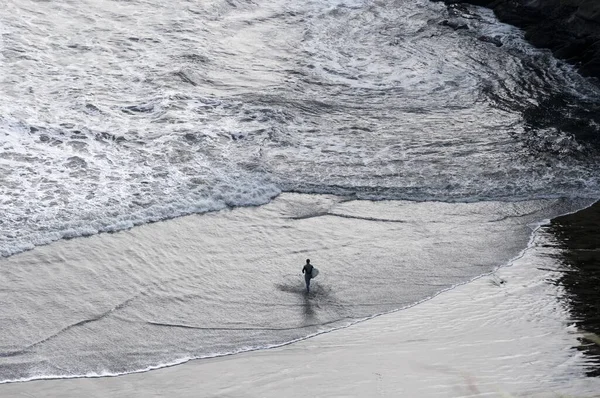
pixel 513 332
pixel 230 281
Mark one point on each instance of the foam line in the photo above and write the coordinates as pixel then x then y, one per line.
pixel 67 328
pixel 176 325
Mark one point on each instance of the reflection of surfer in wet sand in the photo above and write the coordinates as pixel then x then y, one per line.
pixel 309 272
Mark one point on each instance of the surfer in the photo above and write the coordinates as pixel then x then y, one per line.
pixel 307 271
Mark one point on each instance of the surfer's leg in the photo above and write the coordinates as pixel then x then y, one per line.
pixel 307 280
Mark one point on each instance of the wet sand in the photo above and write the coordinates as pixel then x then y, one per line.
pixel 514 332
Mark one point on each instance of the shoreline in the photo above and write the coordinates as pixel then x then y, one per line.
pixel 67 235
pixel 389 347
pixel 371 327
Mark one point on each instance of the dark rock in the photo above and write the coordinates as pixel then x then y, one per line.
pixel 571 49
pixel 569 28
pixel 592 67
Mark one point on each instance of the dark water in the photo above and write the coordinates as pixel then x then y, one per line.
pixel 117 114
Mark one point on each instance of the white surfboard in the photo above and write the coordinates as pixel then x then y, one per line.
pixel 314 273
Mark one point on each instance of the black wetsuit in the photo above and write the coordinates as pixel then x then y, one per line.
pixel 307 271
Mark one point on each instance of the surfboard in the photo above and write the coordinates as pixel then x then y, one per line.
pixel 314 273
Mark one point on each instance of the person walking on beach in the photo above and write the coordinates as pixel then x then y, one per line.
pixel 307 271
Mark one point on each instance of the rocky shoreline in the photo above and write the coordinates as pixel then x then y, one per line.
pixel 569 28
pixel 578 237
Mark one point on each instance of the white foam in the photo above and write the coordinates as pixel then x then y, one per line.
pixel 110 121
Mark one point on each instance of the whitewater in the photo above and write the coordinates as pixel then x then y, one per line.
pixel 119 113
pixel 356 131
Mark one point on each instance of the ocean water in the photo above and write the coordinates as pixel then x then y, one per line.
pixel 371 134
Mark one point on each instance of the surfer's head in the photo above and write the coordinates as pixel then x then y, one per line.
pixel 307 261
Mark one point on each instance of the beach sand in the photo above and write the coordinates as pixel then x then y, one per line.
pixel 509 333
